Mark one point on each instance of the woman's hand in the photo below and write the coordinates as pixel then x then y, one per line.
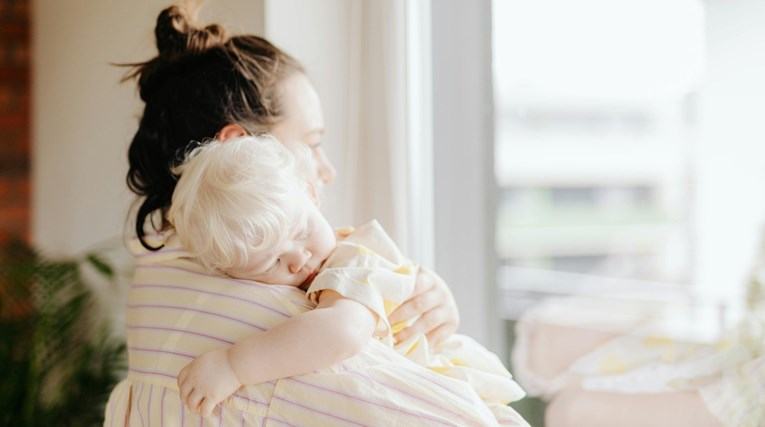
pixel 206 381
pixel 434 303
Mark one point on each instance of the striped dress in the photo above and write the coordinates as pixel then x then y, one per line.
pixel 177 310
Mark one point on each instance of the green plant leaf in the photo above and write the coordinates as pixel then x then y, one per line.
pixel 100 265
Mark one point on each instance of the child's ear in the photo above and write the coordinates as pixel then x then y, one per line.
pixel 310 185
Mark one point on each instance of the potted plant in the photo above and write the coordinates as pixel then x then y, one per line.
pixel 58 358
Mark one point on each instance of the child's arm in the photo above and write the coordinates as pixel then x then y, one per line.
pixel 336 329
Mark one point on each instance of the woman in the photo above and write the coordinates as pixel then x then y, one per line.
pixel 202 85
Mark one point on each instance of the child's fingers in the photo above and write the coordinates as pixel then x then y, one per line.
pixel 185 391
pixel 207 407
pixel 195 400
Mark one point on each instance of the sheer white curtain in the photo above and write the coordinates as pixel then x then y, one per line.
pixel 389 120
pixel 370 63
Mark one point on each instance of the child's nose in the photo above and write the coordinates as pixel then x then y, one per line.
pixel 299 260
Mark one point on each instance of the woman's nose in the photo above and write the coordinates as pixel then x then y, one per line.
pixel 326 172
pixel 299 260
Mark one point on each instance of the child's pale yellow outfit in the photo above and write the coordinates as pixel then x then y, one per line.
pixel 368 267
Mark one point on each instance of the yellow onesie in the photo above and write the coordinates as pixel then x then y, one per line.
pixel 368 268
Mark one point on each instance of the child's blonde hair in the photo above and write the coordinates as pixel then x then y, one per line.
pixel 231 197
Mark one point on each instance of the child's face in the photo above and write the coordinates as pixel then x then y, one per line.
pixel 296 256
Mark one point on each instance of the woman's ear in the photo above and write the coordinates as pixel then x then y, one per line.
pixel 231 130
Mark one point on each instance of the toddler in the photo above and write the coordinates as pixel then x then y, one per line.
pixel 243 208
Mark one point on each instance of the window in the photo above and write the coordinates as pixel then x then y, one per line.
pixel 593 138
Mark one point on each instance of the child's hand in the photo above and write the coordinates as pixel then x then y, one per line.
pixel 207 381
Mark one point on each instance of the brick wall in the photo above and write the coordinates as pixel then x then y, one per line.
pixel 14 119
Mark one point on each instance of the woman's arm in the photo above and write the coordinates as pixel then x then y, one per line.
pixel 336 329
pixel 434 303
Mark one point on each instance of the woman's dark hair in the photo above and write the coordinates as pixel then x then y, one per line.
pixel 200 81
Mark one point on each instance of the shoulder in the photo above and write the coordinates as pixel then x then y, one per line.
pixel 168 248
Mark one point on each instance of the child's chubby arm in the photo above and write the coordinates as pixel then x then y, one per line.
pixel 336 329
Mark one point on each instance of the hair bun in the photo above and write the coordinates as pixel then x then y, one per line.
pixel 176 33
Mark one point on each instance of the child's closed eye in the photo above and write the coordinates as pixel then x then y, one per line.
pixel 304 234
pixel 273 266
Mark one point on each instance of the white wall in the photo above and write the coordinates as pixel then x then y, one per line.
pixel 83 118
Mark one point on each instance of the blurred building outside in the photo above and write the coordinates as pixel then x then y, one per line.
pixel 595 154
